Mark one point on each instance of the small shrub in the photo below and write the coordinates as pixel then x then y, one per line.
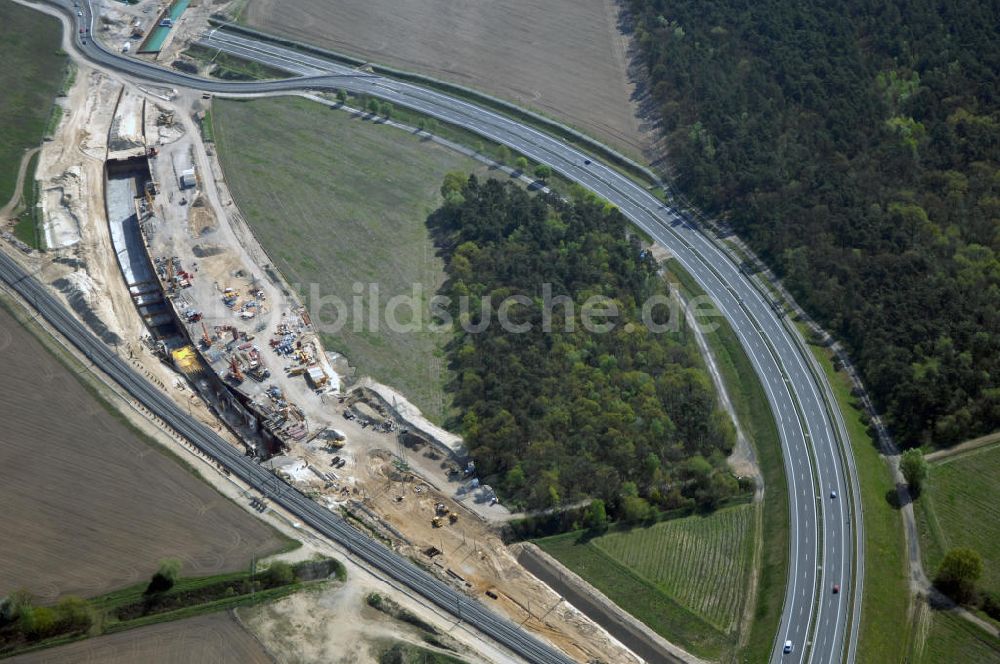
pixel 991 604
pixel 278 574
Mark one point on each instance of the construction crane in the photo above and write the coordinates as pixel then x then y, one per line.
pixel 205 339
pixel 170 273
pixel 234 370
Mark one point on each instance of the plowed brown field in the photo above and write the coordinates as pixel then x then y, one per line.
pixel 89 506
pixel 565 58
pixel 211 639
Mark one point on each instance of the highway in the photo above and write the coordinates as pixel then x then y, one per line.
pixel 825 532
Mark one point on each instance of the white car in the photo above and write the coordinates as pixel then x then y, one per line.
pixel 833 494
pixel 788 647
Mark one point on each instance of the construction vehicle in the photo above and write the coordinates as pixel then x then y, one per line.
pixel 170 275
pixel 452 518
pixel 259 373
pixel 205 339
pixel 234 371
pixel 441 509
pixel 436 522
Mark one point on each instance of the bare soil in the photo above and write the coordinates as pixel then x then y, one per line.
pixel 333 626
pixel 89 506
pixel 564 58
pixel 466 552
pixel 211 639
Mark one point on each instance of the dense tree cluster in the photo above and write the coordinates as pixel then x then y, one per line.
pixel 552 417
pixel 856 145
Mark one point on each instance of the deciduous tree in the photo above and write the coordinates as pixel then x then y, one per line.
pixel 958 574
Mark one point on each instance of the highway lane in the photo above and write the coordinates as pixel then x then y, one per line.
pixel 823 547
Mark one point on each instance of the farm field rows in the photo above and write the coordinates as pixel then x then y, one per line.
pixel 564 58
pixel 686 578
pixel 338 201
pixel 212 639
pixel 951 639
pixel 94 505
pixel 699 561
pixel 959 506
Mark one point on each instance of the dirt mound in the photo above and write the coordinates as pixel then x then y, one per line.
pixel 78 289
pixel 204 250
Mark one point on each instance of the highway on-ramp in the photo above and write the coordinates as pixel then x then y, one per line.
pixel 825 531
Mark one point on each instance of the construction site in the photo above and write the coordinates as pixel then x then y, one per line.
pixel 247 348
pixel 196 306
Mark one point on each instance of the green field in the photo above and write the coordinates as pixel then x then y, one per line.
pixel 951 639
pixel 27 229
pixel 30 78
pixel 335 201
pixel 960 507
pixel 885 619
pixel 686 578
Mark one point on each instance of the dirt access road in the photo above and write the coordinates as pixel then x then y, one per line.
pixel 564 58
pixel 22 170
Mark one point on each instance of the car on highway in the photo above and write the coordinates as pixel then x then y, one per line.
pixel 836 589
pixel 833 494
pixel 586 162
pixel 788 647
pixel 79 13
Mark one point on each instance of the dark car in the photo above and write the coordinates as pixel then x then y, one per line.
pixel 586 162
pixel 836 588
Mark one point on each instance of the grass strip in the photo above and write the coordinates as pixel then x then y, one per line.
pixel 28 228
pixel 187 598
pixel 233 68
pixel 460 135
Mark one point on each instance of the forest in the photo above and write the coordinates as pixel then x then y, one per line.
pixel 558 413
pixel 856 146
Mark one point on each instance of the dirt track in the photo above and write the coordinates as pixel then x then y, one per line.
pixel 21 173
pixel 565 58
pixel 88 506
pixel 211 639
